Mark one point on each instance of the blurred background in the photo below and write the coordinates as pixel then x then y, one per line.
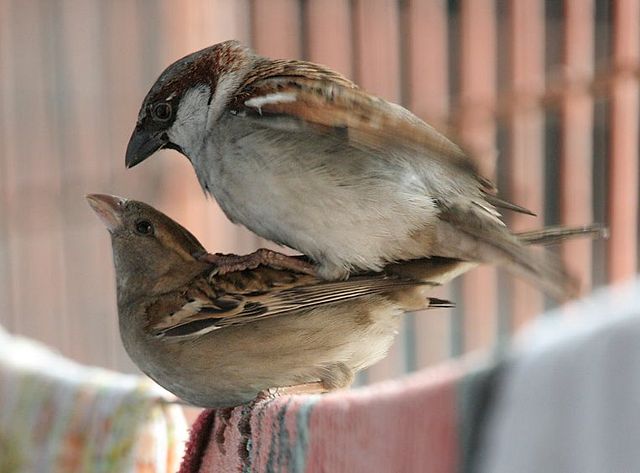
pixel 544 94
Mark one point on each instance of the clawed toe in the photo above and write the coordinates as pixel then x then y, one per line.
pixel 262 257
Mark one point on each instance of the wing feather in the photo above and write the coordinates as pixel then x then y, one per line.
pixel 202 315
pixel 305 96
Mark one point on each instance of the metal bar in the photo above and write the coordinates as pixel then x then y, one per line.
pixel 7 152
pixel 623 170
pixel 526 154
pixel 512 103
pixel 34 212
pixel 576 162
pixel 329 34
pixel 477 132
pixel 276 28
pixel 77 82
pixel 427 94
pixel 428 58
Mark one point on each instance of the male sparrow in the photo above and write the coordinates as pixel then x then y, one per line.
pixel 303 157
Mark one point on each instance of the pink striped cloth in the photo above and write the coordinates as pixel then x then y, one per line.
pixel 413 424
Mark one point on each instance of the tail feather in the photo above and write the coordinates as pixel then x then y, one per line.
pixel 503 204
pixel 435 303
pixel 557 234
pixel 466 234
pixel 469 251
pixel 493 244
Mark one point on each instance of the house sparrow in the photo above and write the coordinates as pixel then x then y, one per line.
pixel 218 340
pixel 303 157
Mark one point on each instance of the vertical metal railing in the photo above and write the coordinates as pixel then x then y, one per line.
pixel 576 162
pixel 476 129
pixel 425 28
pixel 623 167
pixel 526 135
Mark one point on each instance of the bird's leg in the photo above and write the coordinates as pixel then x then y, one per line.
pixel 270 394
pixel 317 387
pixel 263 256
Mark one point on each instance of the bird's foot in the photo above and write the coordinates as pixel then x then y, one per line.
pixel 262 257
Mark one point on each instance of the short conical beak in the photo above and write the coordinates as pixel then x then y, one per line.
pixel 143 144
pixel 109 208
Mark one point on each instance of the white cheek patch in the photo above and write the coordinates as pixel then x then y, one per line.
pixel 278 97
pixel 193 103
pixel 189 128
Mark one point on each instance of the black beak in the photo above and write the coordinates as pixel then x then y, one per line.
pixel 143 144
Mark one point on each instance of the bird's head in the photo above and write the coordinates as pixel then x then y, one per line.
pixel 151 252
pixel 188 95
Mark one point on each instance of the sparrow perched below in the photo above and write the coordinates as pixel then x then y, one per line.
pixel 218 340
pixel 303 157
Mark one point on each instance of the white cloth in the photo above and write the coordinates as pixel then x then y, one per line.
pixel 570 400
pixel 57 415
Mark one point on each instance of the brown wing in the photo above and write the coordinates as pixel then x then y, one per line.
pixel 302 96
pixel 297 95
pixel 241 298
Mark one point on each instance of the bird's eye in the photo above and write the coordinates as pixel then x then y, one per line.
pixel 144 227
pixel 161 111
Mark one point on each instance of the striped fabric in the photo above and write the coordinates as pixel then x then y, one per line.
pixel 414 424
pixel 59 416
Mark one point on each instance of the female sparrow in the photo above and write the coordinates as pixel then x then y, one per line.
pixel 217 340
